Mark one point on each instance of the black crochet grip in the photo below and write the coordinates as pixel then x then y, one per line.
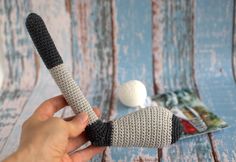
pixel 43 41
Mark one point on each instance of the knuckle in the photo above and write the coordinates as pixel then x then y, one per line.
pixel 47 102
pixel 58 121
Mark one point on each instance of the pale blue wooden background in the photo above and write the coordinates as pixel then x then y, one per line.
pixel 165 44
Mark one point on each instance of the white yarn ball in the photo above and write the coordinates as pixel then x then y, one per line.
pixel 132 93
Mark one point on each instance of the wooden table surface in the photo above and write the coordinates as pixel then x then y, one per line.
pixel 166 44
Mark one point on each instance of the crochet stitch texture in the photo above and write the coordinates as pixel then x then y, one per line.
pixel 149 127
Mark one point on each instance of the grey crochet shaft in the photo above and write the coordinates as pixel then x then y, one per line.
pixel 149 127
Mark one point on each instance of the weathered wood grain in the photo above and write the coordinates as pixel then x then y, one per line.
pixel 92 53
pixel 17 62
pixel 173 45
pixel 54 13
pixel 134 57
pixel 234 63
pixel 111 43
pixel 213 69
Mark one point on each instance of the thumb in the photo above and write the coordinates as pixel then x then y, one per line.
pixel 78 124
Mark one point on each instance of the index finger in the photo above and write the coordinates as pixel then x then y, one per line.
pixel 49 107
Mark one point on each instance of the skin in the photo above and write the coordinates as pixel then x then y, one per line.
pixel 45 138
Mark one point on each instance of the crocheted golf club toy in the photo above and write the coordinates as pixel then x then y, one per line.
pixel 149 127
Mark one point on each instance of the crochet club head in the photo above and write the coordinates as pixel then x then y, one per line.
pixel 149 127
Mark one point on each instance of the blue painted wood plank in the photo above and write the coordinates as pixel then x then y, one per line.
pixel 234 42
pixel 17 62
pixel 53 13
pixel 134 56
pixel 173 45
pixel 213 69
pixel 92 53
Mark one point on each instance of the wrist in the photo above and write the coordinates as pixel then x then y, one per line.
pixel 20 155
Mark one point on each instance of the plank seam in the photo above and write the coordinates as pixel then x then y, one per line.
pixel 155 85
pixel 233 43
pixel 209 135
pixel 216 159
pixel 114 58
pixel 114 67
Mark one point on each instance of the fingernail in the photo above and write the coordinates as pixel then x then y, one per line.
pixel 83 117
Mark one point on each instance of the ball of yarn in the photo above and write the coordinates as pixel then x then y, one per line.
pixel 132 93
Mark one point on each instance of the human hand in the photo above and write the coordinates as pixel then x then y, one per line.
pixel 45 138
